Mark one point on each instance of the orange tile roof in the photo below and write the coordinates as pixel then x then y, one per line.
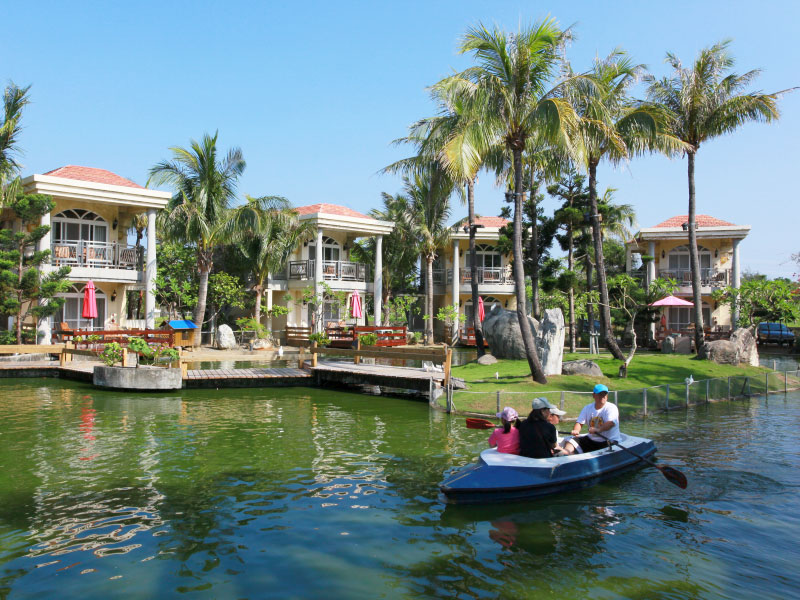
pixel 93 175
pixel 700 220
pixel 330 209
pixel 491 221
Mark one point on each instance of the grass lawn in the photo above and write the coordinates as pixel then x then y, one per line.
pixel 517 387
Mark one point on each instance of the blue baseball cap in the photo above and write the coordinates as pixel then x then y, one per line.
pixel 600 389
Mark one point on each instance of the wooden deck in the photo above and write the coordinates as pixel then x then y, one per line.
pixel 252 377
pixel 347 373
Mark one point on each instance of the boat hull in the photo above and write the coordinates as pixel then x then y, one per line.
pixel 499 477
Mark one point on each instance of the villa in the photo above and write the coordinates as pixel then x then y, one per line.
pixel 89 225
pixel 452 275
pixel 718 246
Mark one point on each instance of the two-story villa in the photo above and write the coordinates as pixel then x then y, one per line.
pixel 452 273
pixel 89 224
pixel 326 259
pixel 718 247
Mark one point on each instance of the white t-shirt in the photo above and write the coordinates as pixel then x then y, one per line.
pixel 594 418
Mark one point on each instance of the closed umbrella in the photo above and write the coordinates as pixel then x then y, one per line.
pixel 356 309
pixel 672 301
pixel 481 309
pixel 89 301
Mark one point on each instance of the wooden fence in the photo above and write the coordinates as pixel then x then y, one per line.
pixel 121 336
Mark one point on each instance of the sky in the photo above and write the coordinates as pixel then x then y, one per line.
pixel 314 93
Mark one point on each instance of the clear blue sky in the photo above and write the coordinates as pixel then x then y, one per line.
pixel 314 92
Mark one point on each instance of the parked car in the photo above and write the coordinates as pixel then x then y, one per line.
pixel 774 333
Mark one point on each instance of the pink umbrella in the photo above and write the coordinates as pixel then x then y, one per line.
pixel 481 310
pixel 356 309
pixel 672 301
pixel 89 301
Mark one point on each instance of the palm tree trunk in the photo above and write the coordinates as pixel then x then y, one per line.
pixel 533 252
pixel 571 267
pixel 429 299
pixel 474 269
pixel 694 261
pixel 204 266
pixel 605 310
pixel 257 308
pixel 519 276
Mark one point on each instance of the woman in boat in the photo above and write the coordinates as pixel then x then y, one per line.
pixel 506 438
pixel 537 437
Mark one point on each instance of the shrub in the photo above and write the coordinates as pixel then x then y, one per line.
pixel 368 339
pixel 320 338
pixel 111 354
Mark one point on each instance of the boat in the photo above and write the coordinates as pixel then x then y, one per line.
pixel 500 477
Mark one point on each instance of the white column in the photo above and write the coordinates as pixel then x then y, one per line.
pixel 150 271
pixel 44 243
pixel 737 281
pixel 456 286
pixel 318 281
pixel 377 287
pixel 651 266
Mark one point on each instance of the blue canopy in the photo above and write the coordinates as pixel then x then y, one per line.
pixel 182 324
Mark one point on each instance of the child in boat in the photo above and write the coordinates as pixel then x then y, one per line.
pixel 506 438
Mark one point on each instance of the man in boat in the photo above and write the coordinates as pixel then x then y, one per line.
pixel 537 437
pixel 602 417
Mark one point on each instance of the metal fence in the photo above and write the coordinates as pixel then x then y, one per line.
pixel 639 402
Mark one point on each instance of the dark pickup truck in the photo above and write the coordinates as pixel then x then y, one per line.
pixel 774 333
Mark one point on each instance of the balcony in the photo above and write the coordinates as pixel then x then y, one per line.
pixel 96 255
pixel 711 278
pixel 486 276
pixel 332 270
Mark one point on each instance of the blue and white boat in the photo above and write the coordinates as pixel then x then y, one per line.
pixel 499 477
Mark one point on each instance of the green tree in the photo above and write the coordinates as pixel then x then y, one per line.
pixel 177 279
pixel 199 211
pixel 507 96
pixel 705 101
pixel 14 100
pixel 614 128
pixel 762 300
pixel 224 292
pixel 24 290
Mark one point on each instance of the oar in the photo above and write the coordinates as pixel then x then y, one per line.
pixel 480 424
pixel 672 475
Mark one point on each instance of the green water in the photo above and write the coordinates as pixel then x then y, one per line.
pixel 306 493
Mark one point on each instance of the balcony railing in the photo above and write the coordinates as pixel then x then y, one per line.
pixel 486 276
pixel 708 277
pixel 340 270
pixel 103 255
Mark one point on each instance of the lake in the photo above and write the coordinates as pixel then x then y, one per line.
pixel 301 493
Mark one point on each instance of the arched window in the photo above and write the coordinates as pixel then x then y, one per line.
pixel 331 250
pixel 71 312
pixel 76 225
pixel 486 257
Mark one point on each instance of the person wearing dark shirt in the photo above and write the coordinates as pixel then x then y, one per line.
pixel 537 437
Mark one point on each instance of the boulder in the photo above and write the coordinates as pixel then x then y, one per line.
pixel 683 345
pixel 581 367
pixel 225 338
pixel 745 343
pixel 722 352
pixel 261 344
pixel 668 345
pixel 487 359
pixel 501 330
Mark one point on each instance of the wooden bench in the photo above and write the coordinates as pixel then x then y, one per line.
pixel 388 335
pixel 297 336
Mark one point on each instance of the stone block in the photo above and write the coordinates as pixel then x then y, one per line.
pixel 581 367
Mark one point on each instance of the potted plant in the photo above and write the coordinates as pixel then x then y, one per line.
pixel 157 373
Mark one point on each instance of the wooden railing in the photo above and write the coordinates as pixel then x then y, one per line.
pixel 467 337
pixel 121 336
pixel 297 336
pixel 388 335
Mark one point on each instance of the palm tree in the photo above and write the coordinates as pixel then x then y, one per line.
pixel 14 100
pixel 706 101
pixel 138 226
pixel 507 96
pixel 198 213
pixel 429 192
pixel 614 128
pixel 268 246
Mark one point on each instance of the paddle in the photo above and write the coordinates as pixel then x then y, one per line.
pixel 672 475
pixel 480 424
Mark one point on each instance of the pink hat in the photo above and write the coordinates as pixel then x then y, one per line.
pixel 508 414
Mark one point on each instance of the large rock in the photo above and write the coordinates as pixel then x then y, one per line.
pixel 722 352
pixel 581 367
pixel 746 346
pixel 501 329
pixel 487 359
pixel 683 345
pixel 225 338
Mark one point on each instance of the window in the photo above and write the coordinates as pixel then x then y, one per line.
pixel 135 304
pixel 680 317
pixel 679 258
pixel 330 250
pixel 71 312
pixel 331 311
pixel 488 303
pixel 77 225
pixel 486 257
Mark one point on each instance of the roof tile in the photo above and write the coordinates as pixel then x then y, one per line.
pixel 331 209
pixel 701 220
pixel 93 175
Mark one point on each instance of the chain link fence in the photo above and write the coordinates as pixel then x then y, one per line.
pixel 640 402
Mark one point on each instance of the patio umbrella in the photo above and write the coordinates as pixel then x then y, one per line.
pixel 356 309
pixel 89 301
pixel 672 301
pixel 481 310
